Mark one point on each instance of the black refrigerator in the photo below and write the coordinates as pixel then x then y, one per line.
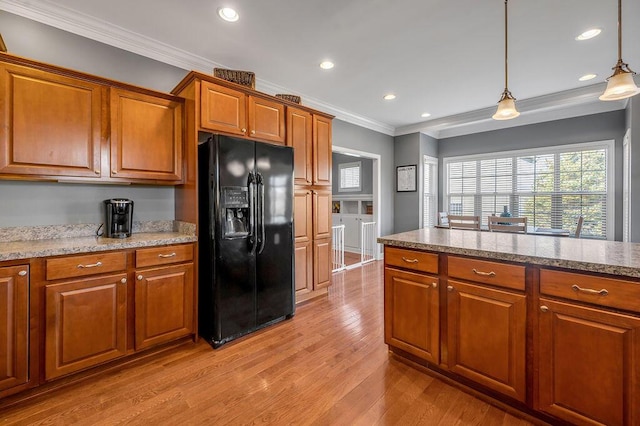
pixel 246 241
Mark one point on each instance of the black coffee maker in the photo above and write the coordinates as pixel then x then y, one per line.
pixel 119 218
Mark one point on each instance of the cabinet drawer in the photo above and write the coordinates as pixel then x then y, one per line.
pixel 163 255
pixel 411 259
pixel 493 273
pixel 611 292
pixel 83 265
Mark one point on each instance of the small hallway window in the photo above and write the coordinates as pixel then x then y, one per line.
pixel 350 177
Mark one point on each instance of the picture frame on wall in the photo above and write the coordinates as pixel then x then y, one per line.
pixel 406 178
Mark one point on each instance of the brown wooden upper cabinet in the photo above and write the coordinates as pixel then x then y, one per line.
pixel 300 137
pixel 321 150
pixel 54 123
pixel 232 111
pixel 146 136
pixel 51 124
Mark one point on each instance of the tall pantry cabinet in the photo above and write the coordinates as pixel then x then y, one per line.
pixel 219 106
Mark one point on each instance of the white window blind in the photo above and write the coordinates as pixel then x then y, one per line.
pixel 552 187
pixel 430 195
pixel 350 176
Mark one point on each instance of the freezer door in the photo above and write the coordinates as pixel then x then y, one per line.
pixel 274 263
pixel 234 278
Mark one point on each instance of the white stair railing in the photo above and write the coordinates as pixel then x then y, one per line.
pixel 368 242
pixel 337 233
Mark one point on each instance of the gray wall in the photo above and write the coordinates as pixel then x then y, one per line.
pixel 366 174
pixel 633 122
pixel 347 135
pixel 610 125
pixel 38 203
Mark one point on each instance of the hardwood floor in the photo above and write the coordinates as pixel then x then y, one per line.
pixel 326 366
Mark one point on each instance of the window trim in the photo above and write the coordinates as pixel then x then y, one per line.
pixel 433 161
pixel 608 144
pixel 350 165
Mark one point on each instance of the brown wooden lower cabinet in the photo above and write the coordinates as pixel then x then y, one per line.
pixel 85 323
pixel 411 313
pixel 487 337
pixel 14 326
pixel 164 304
pixel 303 268
pixel 588 364
pixel 322 263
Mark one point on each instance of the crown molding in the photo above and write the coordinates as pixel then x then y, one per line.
pixel 555 106
pixel 87 26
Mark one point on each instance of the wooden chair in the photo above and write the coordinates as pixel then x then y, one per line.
pixel 508 224
pixel 464 222
pixel 579 226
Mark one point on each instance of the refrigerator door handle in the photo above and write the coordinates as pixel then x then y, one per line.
pixel 252 214
pixel 261 235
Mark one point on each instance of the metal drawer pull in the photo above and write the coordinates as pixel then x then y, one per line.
pixel 602 292
pixel 544 308
pixel 409 260
pixel 92 265
pixel 167 255
pixel 484 274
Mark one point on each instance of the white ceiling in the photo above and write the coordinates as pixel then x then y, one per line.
pixel 439 56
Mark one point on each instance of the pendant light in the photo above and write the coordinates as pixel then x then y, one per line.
pixel 506 105
pixel 620 85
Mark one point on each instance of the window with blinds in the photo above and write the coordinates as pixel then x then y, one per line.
pixel 430 195
pixel 350 176
pixel 552 187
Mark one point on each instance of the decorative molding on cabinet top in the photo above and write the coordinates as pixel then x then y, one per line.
pixel 90 27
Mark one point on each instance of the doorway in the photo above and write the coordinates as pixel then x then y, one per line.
pixel 356 203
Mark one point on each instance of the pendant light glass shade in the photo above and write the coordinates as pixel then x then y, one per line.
pixel 506 105
pixel 620 85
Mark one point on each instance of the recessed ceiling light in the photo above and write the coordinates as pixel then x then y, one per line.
pixel 425 115
pixel 326 65
pixel 589 34
pixel 588 77
pixel 389 97
pixel 228 14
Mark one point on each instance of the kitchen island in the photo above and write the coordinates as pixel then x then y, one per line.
pixel 548 325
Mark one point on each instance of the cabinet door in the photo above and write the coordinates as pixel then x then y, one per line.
pixel 300 137
pixel 588 364
pixel 322 263
pixel 266 120
pixel 321 150
pixel 302 215
pixel 146 137
pixel 85 323
pixel 304 268
pixel 487 337
pixel 14 326
pixel 164 304
pixel 411 313
pixel 50 125
pixel 321 214
pixel 222 109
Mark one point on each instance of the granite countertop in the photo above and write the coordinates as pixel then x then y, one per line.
pixel 41 241
pixel 609 257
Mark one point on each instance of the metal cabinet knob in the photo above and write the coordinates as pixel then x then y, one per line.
pixel 434 285
pixel 244 130
pixel 544 308
pixel 140 277
pixel 253 132
pixel 450 288
pixel 22 273
pixel 123 281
